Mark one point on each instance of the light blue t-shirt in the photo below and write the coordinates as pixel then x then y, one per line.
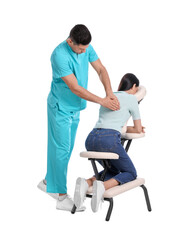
pixel 65 62
pixel 116 119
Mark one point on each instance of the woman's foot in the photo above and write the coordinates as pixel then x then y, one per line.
pixel 80 192
pixel 98 191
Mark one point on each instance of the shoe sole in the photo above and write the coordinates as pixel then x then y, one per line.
pixel 77 210
pixel 94 201
pixel 78 200
pixel 60 207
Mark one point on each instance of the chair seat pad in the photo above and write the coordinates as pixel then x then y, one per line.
pixel 114 191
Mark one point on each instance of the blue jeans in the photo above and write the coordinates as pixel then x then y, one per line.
pixel 109 140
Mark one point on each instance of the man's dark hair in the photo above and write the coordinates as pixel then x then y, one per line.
pixel 128 81
pixel 80 34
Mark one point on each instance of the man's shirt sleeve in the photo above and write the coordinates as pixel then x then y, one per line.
pixel 60 65
pixel 92 54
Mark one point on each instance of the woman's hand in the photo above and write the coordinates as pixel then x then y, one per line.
pixel 143 131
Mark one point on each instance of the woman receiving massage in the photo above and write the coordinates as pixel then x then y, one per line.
pixel 106 137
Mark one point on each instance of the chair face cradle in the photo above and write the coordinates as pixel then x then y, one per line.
pixel 105 157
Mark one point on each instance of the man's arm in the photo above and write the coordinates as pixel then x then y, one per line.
pixel 104 77
pixel 72 83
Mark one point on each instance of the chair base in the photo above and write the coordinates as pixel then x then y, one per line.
pixel 110 200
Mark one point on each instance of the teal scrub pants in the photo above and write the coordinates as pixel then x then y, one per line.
pixel 62 128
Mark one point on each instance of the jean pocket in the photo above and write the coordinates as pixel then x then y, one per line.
pixel 107 142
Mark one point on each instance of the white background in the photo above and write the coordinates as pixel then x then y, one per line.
pixel 151 39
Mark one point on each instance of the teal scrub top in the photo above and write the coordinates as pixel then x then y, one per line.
pixel 117 119
pixel 65 62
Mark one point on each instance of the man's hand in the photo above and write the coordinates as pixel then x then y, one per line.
pixel 111 103
pixel 112 96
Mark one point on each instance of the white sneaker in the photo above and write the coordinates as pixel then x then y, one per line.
pixel 43 187
pixel 80 191
pixel 98 191
pixel 67 204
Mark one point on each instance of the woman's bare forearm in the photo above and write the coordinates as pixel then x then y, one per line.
pixel 133 130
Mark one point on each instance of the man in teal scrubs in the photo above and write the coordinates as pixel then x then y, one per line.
pixel 67 97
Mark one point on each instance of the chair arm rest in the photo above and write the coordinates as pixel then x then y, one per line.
pixel 130 136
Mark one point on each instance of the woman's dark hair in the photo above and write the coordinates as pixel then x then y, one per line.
pixel 80 34
pixel 128 81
